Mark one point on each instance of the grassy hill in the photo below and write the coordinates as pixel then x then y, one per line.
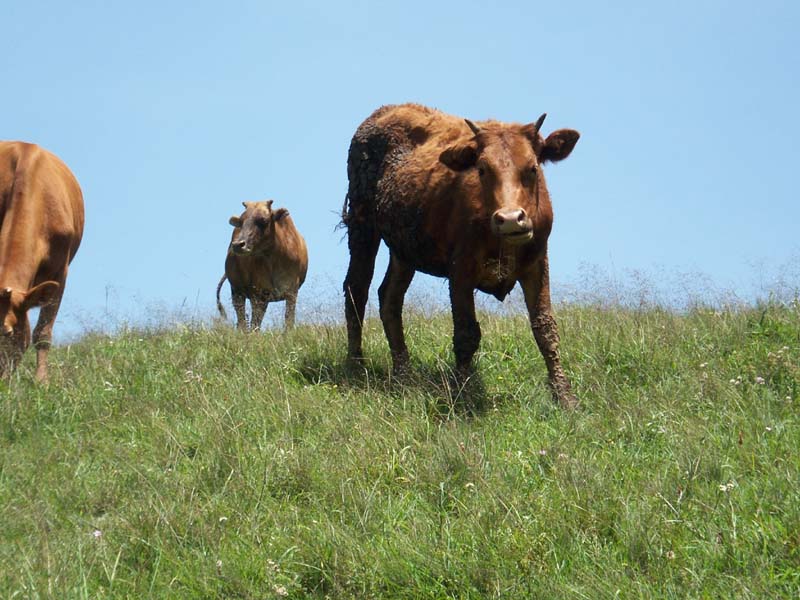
pixel 203 463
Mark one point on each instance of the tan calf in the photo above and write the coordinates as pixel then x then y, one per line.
pixel 267 262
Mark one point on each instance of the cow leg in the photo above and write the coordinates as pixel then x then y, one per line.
pixel 466 330
pixel 258 306
pixel 238 299
pixel 536 288
pixel 391 294
pixel 291 305
pixel 363 242
pixel 43 334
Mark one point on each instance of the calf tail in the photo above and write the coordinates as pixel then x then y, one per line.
pixel 221 308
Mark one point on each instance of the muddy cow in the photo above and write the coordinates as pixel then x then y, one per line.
pixel 41 225
pixel 267 262
pixel 456 199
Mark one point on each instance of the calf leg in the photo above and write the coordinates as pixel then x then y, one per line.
pixel 391 294
pixel 258 306
pixel 43 335
pixel 363 241
pixel 536 288
pixel 238 298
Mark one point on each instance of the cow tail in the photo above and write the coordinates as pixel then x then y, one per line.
pixel 343 222
pixel 221 308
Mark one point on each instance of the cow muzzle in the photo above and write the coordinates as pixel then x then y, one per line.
pixel 240 247
pixel 512 225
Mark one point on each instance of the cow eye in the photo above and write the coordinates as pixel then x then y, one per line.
pixel 481 171
pixel 261 222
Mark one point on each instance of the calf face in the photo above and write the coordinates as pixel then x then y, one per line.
pixel 506 163
pixel 14 307
pixel 256 227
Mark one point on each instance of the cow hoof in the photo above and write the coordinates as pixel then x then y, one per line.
pixel 356 359
pixel 567 401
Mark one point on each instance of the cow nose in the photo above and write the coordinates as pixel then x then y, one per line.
pixel 510 217
pixel 238 245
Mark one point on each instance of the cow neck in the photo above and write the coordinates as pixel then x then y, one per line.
pixel 17 248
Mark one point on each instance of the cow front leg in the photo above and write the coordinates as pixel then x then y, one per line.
pixel 391 295
pixel 258 306
pixel 238 299
pixel 43 335
pixel 536 288
pixel 466 330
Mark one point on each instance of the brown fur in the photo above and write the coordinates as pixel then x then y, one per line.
pixel 41 225
pixel 267 262
pixel 464 201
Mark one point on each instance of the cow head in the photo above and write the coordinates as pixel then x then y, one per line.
pixel 16 332
pixel 504 162
pixel 255 228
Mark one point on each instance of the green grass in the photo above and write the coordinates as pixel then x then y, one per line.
pixel 194 463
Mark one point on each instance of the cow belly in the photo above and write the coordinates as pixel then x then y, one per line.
pixel 401 226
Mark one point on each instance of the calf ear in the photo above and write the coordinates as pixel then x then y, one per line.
pixel 460 157
pixel 559 145
pixel 40 294
pixel 235 221
pixel 279 214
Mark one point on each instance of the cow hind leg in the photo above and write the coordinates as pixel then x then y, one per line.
pixel 363 241
pixel 238 300
pixel 291 305
pixel 43 335
pixel 391 295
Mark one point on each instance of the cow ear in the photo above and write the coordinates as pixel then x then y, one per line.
pixel 559 145
pixel 280 214
pixel 460 157
pixel 235 221
pixel 40 294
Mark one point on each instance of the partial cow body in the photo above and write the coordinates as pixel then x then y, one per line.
pixel 453 199
pixel 41 225
pixel 267 262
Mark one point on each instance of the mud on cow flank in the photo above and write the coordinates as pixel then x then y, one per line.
pixel 41 225
pixel 267 262
pixel 455 199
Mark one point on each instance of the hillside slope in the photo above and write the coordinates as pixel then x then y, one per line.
pixel 195 463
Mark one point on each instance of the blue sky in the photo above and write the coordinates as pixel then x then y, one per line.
pixel 171 114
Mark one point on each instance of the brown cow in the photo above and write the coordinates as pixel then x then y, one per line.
pixel 41 225
pixel 267 262
pixel 458 200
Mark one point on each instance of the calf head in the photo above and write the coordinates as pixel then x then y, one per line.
pixel 16 332
pixel 504 163
pixel 255 228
